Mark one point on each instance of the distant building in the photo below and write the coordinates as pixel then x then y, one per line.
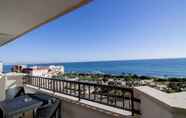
pixel 58 69
pixel 39 71
pixel 27 70
pixel 44 71
pixel 18 68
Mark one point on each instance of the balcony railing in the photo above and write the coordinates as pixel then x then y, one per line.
pixel 119 97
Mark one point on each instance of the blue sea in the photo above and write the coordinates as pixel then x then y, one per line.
pixel 158 67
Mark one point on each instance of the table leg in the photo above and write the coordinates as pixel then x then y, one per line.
pixel 34 113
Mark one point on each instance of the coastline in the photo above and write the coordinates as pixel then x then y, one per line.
pixel 161 68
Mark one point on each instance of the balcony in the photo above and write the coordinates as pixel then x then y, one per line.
pixel 88 99
pixel 89 94
pixel 80 99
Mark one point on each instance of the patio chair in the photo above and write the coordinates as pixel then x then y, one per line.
pixel 4 85
pixel 51 111
pixel 46 99
pixel 1 113
pixel 14 92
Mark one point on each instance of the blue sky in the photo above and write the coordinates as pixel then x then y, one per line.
pixel 106 30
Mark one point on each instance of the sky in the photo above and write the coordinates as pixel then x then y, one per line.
pixel 106 30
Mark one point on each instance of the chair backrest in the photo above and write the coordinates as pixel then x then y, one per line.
pixel 14 92
pixel 54 109
pixel 2 115
pixel 46 99
pixel 50 111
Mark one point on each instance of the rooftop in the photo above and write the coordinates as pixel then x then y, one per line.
pixel 174 100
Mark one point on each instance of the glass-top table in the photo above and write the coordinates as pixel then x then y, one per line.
pixel 20 105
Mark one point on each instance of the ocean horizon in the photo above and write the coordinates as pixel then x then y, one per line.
pixel 146 67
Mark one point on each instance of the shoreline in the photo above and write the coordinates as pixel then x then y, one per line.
pixel 159 68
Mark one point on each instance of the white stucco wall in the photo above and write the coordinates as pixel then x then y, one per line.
pixel 2 89
pixel 152 109
pixel 157 104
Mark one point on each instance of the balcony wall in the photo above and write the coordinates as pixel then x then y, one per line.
pixel 157 104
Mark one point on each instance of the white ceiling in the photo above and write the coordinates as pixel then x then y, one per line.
pixel 18 17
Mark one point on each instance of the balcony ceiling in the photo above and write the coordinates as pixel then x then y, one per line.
pixel 18 17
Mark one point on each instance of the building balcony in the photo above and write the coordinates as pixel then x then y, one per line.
pixel 82 99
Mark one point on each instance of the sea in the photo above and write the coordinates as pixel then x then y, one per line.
pixel 153 67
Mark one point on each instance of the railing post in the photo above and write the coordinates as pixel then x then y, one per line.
pixel 53 82
pixel 23 80
pixel 39 83
pixel 26 79
pixel 79 91
pixel 132 101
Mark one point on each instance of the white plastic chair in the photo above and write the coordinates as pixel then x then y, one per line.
pixel 4 85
